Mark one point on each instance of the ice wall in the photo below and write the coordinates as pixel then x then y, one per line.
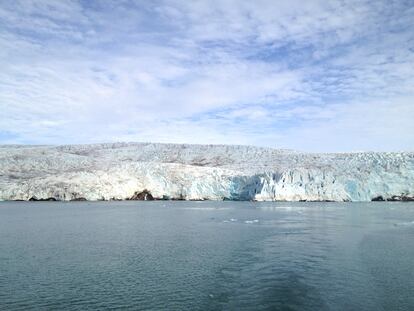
pixel 197 172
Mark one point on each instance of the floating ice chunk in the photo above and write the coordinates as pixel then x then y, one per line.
pixel 407 223
pixel 251 221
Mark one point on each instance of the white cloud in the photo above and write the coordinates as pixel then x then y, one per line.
pixel 307 76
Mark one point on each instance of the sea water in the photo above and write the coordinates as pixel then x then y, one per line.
pixel 173 255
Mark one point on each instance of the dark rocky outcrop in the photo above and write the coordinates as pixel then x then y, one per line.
pixel 142 196
pixel 179 198
pixel 34 198
pixel 79 199
pixel 378 199
pixel 397 198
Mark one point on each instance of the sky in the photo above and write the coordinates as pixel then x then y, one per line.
pixel 319 76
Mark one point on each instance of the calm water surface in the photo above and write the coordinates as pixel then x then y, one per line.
pixel 206 256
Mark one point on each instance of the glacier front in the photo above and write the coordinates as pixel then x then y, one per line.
pixel 120 171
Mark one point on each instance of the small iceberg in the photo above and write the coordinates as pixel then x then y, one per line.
pixel 230 220
pixel 408 223
pixel 251 221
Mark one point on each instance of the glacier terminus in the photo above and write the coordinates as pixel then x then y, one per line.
pixel 143 171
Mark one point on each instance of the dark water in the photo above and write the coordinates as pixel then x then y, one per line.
pixel 206 256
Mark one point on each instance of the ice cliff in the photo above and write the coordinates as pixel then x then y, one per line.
pixel 196 172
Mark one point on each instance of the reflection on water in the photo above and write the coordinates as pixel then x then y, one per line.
pixel 206 256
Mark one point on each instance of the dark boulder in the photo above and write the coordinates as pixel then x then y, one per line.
pixel 142 196
pixel 404 198
pixel 179 198
pixel 394 198
pixel 79 199
pixel 34 198
pixel 49 199
pixel 378 198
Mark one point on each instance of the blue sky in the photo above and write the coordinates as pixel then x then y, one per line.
pixel 306 75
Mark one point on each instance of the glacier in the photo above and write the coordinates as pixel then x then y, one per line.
pixel 120 171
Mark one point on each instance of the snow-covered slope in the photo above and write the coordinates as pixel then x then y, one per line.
pixel 194 172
